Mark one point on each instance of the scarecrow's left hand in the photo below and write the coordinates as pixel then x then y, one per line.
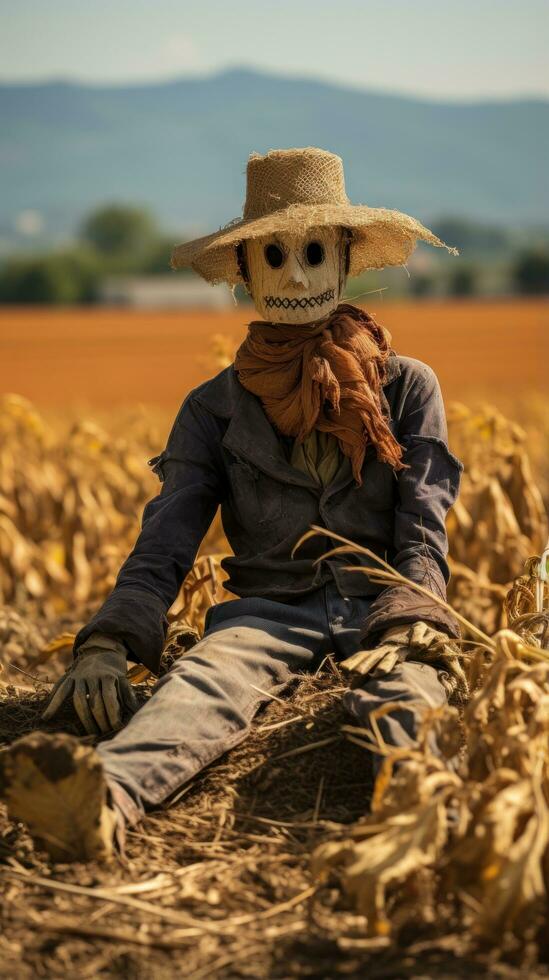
pixel 416 641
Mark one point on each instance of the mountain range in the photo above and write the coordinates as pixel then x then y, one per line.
pixel 180 149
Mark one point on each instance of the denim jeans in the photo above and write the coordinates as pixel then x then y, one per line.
pixel 205 704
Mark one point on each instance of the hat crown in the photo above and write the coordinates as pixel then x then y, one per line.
pixel 299 176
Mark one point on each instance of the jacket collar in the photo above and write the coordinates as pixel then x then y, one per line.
pixel 251 436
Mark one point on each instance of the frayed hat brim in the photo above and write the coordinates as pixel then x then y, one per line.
pixel 379 238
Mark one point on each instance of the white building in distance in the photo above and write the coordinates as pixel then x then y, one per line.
pixel 164 292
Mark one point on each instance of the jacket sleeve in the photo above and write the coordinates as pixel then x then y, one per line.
pixel 427 488
pixel 173 525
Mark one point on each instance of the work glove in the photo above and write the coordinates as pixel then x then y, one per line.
pixel 415 641
pixel 97 683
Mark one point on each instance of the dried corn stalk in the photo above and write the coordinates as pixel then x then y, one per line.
pixel 70 510
pixel 499 519
pixel 471 832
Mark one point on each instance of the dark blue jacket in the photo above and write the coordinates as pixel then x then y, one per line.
pixel 223 450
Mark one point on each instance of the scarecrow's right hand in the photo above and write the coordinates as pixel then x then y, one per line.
pixel 417 641
pixel 97 684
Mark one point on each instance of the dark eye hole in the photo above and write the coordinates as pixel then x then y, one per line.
pixel 314 253
pixel 274 256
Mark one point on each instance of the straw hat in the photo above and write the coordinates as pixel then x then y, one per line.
pixel 293 190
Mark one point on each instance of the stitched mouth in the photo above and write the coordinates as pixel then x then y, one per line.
pixel 298 303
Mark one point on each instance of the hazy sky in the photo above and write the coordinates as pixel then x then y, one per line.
pixel 457 49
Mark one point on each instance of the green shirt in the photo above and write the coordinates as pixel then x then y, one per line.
pixel 319 455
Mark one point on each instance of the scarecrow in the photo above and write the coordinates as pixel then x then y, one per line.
pixel 317 421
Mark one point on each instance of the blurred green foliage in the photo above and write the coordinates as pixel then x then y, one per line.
pixel 463 281
pixel 531 271
pixel 113 240
pixel 120 232
pixel 70 276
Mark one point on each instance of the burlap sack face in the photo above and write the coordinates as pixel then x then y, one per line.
pixel 296 278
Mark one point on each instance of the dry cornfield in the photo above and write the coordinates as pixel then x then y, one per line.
pixel 283 859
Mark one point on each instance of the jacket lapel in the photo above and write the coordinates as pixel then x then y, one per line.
pixel 251 436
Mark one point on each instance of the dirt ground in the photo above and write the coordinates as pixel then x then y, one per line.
pixel 103 358
pixel 219 885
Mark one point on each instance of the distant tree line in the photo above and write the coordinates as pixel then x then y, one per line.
pixel 528 275
pixel 114 240
pixel 121 240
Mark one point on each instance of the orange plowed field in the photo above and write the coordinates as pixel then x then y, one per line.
pixel 104 358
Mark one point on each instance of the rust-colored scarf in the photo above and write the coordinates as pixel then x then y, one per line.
pixel 325 375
